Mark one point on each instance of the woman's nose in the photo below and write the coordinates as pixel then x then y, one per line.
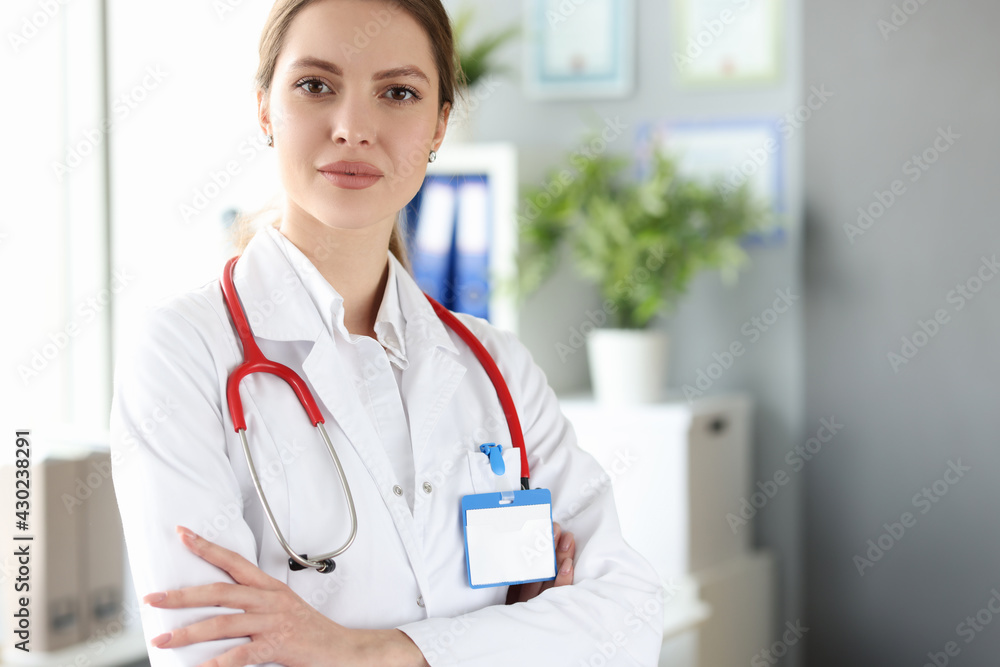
pixel 354 121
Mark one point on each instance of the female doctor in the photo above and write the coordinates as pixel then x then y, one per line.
pixel 406 405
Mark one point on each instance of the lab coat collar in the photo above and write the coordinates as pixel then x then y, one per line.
pixel 390 325
pixel 389 322
pixel 279 307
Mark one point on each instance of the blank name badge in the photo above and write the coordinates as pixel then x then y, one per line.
pixel 509 541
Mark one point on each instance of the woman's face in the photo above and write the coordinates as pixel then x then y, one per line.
pixel 353 135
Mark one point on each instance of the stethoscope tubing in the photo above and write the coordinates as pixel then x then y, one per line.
pixel 255 362
pixel 324 562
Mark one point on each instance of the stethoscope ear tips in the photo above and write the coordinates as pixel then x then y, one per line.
pixel 327 567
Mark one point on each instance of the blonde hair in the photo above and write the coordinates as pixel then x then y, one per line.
pixel 430 14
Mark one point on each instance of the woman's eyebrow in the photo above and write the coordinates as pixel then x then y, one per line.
pixel 309 62
pixel 408 70
pixel 395 72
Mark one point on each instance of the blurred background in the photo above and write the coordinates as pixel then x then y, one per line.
pixel 845 516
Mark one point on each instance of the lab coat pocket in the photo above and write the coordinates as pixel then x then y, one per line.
pixel 483 478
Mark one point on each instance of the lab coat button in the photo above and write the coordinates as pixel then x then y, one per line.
pixel 420 601
pixel 427 487
pixel 397 490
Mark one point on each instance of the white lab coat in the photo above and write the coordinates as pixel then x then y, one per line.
pixel 177 460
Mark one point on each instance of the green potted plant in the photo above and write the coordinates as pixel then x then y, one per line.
pixel 640 242
pixel 477 61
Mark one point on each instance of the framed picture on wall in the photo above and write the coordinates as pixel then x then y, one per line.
pixel 728 154
pixel 727 41
pixel 577 49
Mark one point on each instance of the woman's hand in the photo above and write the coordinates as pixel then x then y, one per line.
pixel 565 553
pixel 283 628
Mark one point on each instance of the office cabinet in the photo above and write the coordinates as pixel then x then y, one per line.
pixel 676 469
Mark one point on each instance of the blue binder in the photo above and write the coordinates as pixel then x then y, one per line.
pixel 472 289
pixel 432 251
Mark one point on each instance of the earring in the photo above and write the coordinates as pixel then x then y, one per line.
pixel 270 140
pixel 433 156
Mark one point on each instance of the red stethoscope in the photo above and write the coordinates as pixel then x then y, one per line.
pixel 254 361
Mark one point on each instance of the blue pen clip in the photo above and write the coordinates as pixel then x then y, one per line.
pixel 495 452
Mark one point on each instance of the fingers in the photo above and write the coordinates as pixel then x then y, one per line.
pixel 566 547
pixel 565 554
pixel 220 594
pixel 524 592
pixel 238 567
pixel 565 575
pixel 253 653
pixel 223 626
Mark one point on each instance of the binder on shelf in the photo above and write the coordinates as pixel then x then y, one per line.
pixel 432 252
pixel 472 289
pixel 103 560
pixel 77 560
pixel 53 572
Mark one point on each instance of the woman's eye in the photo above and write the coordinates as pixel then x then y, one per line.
pixel 313 86
pixel 402 94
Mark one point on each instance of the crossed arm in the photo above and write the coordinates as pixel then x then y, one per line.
pixel 283 628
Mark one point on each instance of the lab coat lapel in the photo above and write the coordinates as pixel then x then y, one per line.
pixel 332 384
pixel 435 371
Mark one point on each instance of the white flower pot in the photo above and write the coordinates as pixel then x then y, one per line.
pixel 627 365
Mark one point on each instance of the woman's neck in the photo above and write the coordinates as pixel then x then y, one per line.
pixel 353 261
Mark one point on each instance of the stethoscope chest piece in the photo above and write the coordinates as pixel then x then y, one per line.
pixel 327 567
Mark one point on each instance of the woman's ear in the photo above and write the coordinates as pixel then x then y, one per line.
pixel 263 112
pixel 442 125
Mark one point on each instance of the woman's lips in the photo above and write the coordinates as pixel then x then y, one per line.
pixel 351 175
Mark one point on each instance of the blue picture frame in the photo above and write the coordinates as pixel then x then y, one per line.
pixel 765 137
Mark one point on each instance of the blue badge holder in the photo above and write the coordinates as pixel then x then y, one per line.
pixel 507 500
